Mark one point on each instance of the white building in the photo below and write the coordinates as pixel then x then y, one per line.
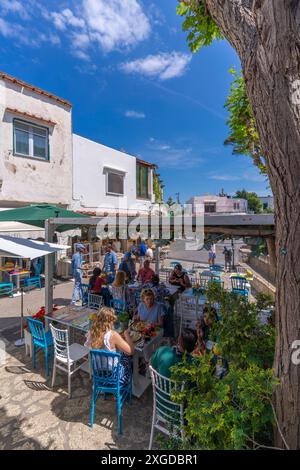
pixel 267 202
pixel 41 161
pixel 35 147
pixel 210 204
pixel 106 180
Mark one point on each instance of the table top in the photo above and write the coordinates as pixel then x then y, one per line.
pixel 78 317
pixel 71 315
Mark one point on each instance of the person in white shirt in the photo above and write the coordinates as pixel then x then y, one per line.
pixel 149 253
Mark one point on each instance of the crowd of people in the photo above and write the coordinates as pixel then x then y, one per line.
pixel 155 305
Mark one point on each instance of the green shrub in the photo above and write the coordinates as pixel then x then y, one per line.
pixel 234 412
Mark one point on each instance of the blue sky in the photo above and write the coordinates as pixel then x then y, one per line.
pixel 134 85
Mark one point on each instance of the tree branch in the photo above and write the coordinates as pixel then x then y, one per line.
pixel 236 20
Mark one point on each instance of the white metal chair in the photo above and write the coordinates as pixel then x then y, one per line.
pixel 66 356
pixel 167 415
pixel 95 301
pixel 190 310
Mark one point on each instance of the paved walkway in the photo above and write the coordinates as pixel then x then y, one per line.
pixel 33 416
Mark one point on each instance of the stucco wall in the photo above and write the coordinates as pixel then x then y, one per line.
pixel 89 178
pixel 28 180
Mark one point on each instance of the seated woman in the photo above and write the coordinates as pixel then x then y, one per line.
pixel 149 310
pixel 117 288
pixel 145 274
pixel 102 335
pixel 97 286
pixel 179 278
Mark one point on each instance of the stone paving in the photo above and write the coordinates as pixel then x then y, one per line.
pixel 33 416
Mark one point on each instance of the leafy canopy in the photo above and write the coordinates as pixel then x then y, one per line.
pixel 243 132
pixel 202 29
pixel 254 203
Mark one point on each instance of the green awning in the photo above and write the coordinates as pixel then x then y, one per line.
pixel 37 214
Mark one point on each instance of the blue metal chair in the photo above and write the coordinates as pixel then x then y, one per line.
pixel 105 368
pixel 6 288
pixel 85 290
pixel 40 340
pixel 33 282
pixel 217 269
pixel 174 263
pixel 118 305
pixel 239 286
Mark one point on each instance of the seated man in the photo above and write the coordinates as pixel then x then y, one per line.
pixel 166 356
pixel 145 274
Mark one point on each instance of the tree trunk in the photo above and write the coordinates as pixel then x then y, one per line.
pixel 270 58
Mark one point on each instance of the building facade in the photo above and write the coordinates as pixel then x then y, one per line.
pixel 210 204
pixel 267 202
pixel 106 180
pixel 42 161
pixel 35 145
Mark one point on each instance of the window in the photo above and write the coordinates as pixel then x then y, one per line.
pixel 210 207
pixel 30 140
pixel 114 182
pixel 143 174
pixel 236 206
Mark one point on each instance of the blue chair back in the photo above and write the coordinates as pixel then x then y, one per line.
pixel 37 330
pixel 217 268
pixel 105 366
pixel 239 285
pixel 238 282
pixel 6 288
pixel 118 305
pixel 85 289
pixel 34 281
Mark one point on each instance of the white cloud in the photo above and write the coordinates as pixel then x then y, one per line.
pixel 163 65
pixel 169 156
pixel 13 6
pixel 247 176
pixel 135 114
pixel 65 18
pixel 113 25
pixel 117 23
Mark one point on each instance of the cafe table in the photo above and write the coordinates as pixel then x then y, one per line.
pixel 143 351
pixel 77 318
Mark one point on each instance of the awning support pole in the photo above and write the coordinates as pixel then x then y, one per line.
pixel 49 268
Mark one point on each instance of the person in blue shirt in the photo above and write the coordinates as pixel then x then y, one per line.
pixel 142 253
pixel 127 265
pixel 77 262
pixel 110 263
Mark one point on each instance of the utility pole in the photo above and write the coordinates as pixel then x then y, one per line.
pixel 232 246
pixel 177 196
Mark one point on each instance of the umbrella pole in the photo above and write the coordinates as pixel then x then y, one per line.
pixel 21 341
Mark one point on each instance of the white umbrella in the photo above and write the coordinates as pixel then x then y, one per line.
pixel 12 247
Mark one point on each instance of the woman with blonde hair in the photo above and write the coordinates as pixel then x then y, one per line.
pixel 102 335
pixel 117 289
pixel 119 279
